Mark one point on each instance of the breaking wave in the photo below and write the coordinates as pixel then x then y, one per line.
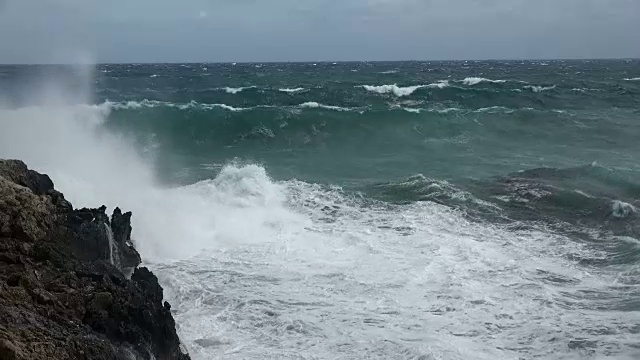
pixel 231 90
pixel 315 105
pixel 403 91
pixel 471 81
pixel 538 89
pixel 292 91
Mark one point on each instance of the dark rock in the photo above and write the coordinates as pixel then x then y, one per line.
pixel 121 229
pixel 96 237
pixel 63 294
pixel 17 172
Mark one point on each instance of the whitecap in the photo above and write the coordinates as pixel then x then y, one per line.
pixel 395 89
pixel 471 81
pixel 494 109
pixel 538 89
pixel 447 110
pixel 632 79
pixel 622 210
pixel 441 84
pixel 135 105
pixel 231 90
pixel 291 91
pixel 316 105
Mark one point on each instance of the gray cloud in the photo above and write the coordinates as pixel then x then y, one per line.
pixel 281 30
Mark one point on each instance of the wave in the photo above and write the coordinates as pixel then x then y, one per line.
pixel 336 239
pixel 632 79
pixel 439 85
pixel 136 105
pixel 412 110
pixel 403 91
pixel 395 89
pixel 538 89
pixel 496 109
pixel 291 91
pixel 315 105
pixel 584 90
pixel 471 81
pixel 234 91
pixel 389 72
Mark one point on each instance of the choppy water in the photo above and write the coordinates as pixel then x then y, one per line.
pixel 443 210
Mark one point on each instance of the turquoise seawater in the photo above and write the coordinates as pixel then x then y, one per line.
pixel 409 210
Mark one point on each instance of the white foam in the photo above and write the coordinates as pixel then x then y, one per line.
pixel 389 72
pixel 495 109
pixel 632 79
pixel 153 76
pixel 135 105
pixel 315 105
pixel 621 210
pixel 471 81
pixel 256 268
pixel 538 89
pixel 231 90
pixel 395 89
pixel 291 91
pixel 447 110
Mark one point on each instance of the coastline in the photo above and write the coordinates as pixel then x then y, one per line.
pixel 70 285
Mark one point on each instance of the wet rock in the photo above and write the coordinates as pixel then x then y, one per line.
pixel 63 295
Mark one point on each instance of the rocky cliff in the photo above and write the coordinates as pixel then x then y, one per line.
pixel 70 285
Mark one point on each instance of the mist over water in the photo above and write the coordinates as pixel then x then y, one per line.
pixel 276 236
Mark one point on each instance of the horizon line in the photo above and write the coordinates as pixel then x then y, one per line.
pixel 314 62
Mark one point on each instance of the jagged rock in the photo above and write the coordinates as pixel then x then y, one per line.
pixel 121 229
pixel 17 172
pixel 23 215
pixel 61 296
pixel 96 237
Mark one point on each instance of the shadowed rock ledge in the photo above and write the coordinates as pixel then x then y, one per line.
pixel 70 285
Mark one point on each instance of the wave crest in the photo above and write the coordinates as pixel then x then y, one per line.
pixel 471 81
pixel 234 91
pixel 538 89
pixel 403 91
pixel 135 105
pixel 315 105
pixel 292 91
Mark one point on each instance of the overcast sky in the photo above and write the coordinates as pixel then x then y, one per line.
pixel 42 31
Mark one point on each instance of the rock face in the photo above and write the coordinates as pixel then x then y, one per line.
pixel 64 286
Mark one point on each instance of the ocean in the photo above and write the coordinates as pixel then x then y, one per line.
pixel 361 210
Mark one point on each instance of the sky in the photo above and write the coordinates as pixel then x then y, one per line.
pixel 88 31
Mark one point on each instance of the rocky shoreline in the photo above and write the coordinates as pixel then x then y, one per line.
pixel 70 285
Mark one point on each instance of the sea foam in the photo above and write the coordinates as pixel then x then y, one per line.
pixel 403 91
pixel 292 91
pixel 232 90
pixel 538 89
pixel 316 105
pixel 471 81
